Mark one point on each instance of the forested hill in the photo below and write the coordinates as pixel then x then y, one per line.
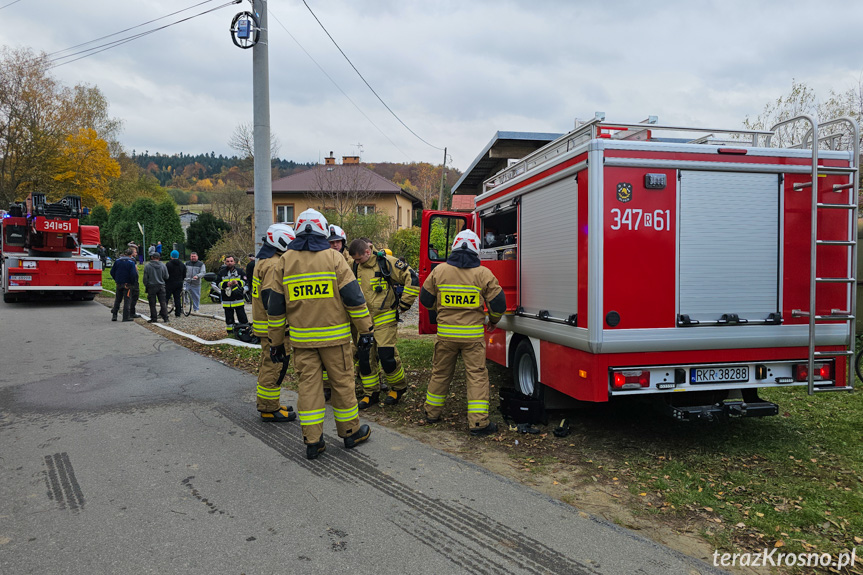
pixel 200 173
pixel 202 166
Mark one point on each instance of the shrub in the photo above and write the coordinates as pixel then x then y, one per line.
pixel 406 243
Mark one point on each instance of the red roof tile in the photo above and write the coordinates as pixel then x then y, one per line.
pixel 464 202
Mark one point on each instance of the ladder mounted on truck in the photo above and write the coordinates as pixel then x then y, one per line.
pixel 832 141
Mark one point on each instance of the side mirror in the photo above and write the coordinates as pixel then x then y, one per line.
pixel 209 276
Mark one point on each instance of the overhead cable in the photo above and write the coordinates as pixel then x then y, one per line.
pixel 364 80
pixel 270 12
pixel 131 28
pixel 114 43
pixel 9 4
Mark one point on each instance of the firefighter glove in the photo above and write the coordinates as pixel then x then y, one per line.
pixel 365 342
pixel 277 353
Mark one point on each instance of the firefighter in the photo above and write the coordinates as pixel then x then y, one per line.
pixel 270 375
pixel 314 292
pixel 379 274
pixel 454 294
pixel 231 282
pixel 337 241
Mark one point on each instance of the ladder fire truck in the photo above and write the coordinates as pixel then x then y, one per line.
pixel 692 270
pixel 41 251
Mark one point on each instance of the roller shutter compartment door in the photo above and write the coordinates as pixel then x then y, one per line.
pixel 549 250
pixel 729 245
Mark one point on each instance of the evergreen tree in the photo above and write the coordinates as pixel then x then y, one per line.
pixel 204 232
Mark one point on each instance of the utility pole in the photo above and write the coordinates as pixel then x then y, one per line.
pixel 442 178
pixel 261 107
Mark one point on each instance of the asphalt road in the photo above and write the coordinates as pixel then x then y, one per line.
pixel 122 452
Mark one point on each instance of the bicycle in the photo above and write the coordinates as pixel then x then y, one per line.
pixel 185 301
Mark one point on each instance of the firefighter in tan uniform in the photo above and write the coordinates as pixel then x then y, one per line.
pixel 337 240
pixel 378 274
pixel 269 374
pixel 316 295
pixel 455 292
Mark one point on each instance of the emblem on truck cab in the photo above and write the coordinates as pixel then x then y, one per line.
pixel 624 192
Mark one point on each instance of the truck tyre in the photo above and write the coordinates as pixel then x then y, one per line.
pixel 524 371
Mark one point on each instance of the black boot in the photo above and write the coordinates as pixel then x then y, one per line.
pixel 368 400
pixel 315 449
pixel 487 430
pixel 393 396
pixel 327 393
pixel 114 316
pixel 283 415
pixel 361 435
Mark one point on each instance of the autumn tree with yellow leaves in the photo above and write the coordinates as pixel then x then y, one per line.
pixel 86 168
pixel 41 121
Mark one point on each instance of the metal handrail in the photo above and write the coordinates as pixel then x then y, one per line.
pixel 590 130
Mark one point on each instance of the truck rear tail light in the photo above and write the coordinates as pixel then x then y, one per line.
pixel 633 379
pixel 823 371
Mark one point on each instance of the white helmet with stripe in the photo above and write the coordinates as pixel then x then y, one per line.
pixel 466 240
pixel 312 222
pixel 337 233
pixel 280 235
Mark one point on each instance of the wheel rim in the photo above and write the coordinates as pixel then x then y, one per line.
pixel 526 375
pixel 187 303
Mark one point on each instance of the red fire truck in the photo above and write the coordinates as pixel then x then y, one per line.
pixel 40 245
pixel 693 266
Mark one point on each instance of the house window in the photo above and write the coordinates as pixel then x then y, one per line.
pixel 399 220
pixel 365 209
pixel 285 214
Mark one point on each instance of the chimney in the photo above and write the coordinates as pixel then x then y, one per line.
pixel 330 160
pixel 350 159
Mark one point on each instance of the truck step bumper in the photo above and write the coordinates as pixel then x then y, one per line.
pixel 724 409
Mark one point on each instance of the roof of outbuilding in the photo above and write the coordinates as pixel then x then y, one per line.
pixel 494 157
pixel 465 202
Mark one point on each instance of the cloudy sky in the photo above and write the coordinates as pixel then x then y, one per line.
pixel 453 71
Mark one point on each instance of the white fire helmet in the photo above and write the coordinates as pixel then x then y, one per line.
pixel 314 222
pixel 337 233
pixel 280 235
pixel 466 240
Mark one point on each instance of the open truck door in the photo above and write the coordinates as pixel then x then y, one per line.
pixel 439 230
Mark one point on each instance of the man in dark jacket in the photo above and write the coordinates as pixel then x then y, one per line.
pixel 174 285
pixel 155 277
pixel 250 267
pixel 125 274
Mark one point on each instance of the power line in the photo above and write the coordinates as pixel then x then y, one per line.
pixel 336 85
pixel 127 29
pixel 9 4
pixel 364 80
pixel 114 43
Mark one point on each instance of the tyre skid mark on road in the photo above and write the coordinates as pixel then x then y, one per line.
pixel 286 439
pixel 62 484
pixel 528 554
pixel 443 543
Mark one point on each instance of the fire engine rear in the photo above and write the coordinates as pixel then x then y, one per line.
pixel 691 265
pixel 41 252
